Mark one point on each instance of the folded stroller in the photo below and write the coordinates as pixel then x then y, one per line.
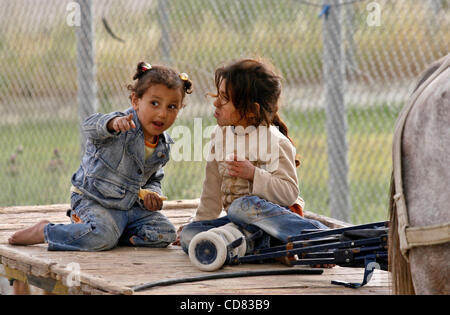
pixel 363 246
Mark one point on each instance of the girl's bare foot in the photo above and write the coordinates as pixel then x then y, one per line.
pixel 29 236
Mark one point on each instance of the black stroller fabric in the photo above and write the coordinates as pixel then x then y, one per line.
pixel 362 234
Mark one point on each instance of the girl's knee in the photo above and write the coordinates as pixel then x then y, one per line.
pixel 187 234
pixel 190 230
pixel 242 206
pixel 154 236
pixel 100 239
pixel 94 228
pixel 89 236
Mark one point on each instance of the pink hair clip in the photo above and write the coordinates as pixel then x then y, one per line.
pixel 146 66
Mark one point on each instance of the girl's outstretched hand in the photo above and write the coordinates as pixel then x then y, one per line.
pixel 241 168
pixel 123 123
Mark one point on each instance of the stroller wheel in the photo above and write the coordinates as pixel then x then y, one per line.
pixel 231 227
pixel 207 251
pixel 227 236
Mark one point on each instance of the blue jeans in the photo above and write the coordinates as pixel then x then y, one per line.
pixel 100 228
pixel 253 213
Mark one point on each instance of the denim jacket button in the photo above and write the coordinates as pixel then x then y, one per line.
pixel 139 172
pixel 161 155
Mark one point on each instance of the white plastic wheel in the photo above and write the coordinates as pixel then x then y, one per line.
pixel 233 228
pixel 227 236
pixel 207 251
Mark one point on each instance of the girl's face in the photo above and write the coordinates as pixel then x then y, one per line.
pixel 157 109
pixel 226 114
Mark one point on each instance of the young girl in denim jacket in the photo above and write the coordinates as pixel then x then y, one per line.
pixel 116 192
pixel 254 179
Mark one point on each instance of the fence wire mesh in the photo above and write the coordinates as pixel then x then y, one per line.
pixel 362 57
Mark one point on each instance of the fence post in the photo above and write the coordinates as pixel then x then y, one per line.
pixel 163 19
pixel 434 22
pixel 336 118
pixel 436 6
pixel 87 89
pixel 349 30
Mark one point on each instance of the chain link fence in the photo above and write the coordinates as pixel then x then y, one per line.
pixel 348 68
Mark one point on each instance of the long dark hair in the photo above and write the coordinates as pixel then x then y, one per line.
pixel 249 82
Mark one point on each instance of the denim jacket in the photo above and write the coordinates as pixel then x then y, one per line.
pixel 113 167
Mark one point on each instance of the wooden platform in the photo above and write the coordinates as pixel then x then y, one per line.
pixel 118 270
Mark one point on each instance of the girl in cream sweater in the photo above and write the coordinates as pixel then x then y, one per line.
pixel 251 167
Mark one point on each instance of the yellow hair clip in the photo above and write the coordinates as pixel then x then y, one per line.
pixel 184 76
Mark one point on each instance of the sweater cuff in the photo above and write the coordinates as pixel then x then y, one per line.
pixel 259 180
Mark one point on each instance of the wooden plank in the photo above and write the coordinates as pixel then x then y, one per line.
pixel 167 205
pixel 22 262
pixel 330 222
pixel 48 284
pixel 292 284
pixel 117 270
pixel 26 209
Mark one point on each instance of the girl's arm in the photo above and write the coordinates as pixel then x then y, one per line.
pixel 96 126
pixel 210 205
pixel 153 202
pixel 280 185
pixel 154 182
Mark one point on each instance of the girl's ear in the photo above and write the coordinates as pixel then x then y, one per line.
pixel 135 101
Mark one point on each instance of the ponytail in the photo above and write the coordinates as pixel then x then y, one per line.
pixel 147 75
pixel 282 127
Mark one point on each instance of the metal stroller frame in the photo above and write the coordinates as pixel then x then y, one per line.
pixel 356 246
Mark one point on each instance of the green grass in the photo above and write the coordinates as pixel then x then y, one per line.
pixel 205 34
pixel 369 142
pixel 33 180
pixel 37 176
